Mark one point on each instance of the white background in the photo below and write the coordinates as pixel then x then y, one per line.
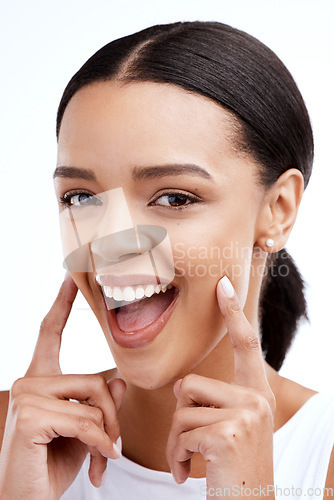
pixel 43 44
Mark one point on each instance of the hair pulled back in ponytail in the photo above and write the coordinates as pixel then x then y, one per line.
pixel 282 306
pixel 248 79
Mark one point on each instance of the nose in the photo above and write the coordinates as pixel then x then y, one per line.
pixel 116 247
pixel 149 243
pixel 115 237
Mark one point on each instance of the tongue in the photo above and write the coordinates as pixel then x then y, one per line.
pixel 137 315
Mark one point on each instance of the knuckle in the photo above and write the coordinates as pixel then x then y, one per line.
pixel 84 424
pixel 261 408
pixel 227 434
pixel 246 421
pixel 252 342
pixel 24 417
pixel 258 404
pixel 17 388
pixel 20 401
pixel 99 382
pixel 249 341
pixel 233 306
pixel 96 414
pixel 96 386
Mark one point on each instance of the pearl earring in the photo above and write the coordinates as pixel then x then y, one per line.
pixel 269 242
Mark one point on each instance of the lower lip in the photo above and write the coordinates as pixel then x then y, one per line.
pixel 141 337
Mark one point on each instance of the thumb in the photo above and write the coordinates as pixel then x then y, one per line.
pixel 117 388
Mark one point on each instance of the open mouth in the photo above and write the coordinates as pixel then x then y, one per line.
pixel 137 313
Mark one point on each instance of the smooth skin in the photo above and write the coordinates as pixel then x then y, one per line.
pixel 164 410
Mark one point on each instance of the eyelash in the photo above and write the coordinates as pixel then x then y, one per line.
pixel 171 193
pixel 66 198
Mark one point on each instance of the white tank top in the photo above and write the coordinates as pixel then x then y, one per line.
pixel 302 449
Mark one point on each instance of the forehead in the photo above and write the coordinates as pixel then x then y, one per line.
pixel 140 123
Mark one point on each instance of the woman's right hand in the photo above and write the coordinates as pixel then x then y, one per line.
pixel 47 436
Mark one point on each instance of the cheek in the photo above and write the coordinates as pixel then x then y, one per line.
pixel 209 257
pixel 200 264
pixel 94 301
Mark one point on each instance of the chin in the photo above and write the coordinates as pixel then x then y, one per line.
pixel 148 368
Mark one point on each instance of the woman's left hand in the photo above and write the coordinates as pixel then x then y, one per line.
pixel 230 424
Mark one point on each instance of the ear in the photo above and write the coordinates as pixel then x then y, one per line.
pixel 279 210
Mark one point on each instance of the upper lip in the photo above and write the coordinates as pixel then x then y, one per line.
pixel 130 280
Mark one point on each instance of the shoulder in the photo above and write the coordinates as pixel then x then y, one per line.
pixel 290 397
pixel 295 395
pixel 4 399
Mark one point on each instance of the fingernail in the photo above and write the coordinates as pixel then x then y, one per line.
pixel 227 287
pixel 119 443
pixel 103 478
pixel 117 450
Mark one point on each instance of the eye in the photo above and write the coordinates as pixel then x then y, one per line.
pixel 79 199
pixel 174 200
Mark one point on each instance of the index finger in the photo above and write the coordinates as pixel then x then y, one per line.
pixel 249 367
pixel 45 359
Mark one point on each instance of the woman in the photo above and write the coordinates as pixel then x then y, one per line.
pixel 197 129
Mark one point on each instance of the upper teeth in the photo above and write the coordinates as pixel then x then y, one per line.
pixel 130 293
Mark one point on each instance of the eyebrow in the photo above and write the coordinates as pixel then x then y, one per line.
pixel 74 173
pixel 138 173
pixel 141 173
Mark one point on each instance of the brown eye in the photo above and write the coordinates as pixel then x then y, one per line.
pixel 174 200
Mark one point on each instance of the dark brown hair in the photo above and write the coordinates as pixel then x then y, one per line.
pixel 248 79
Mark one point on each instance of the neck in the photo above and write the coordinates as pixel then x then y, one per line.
pixel 146 416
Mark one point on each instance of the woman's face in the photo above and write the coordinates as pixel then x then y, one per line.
pixel 209 207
